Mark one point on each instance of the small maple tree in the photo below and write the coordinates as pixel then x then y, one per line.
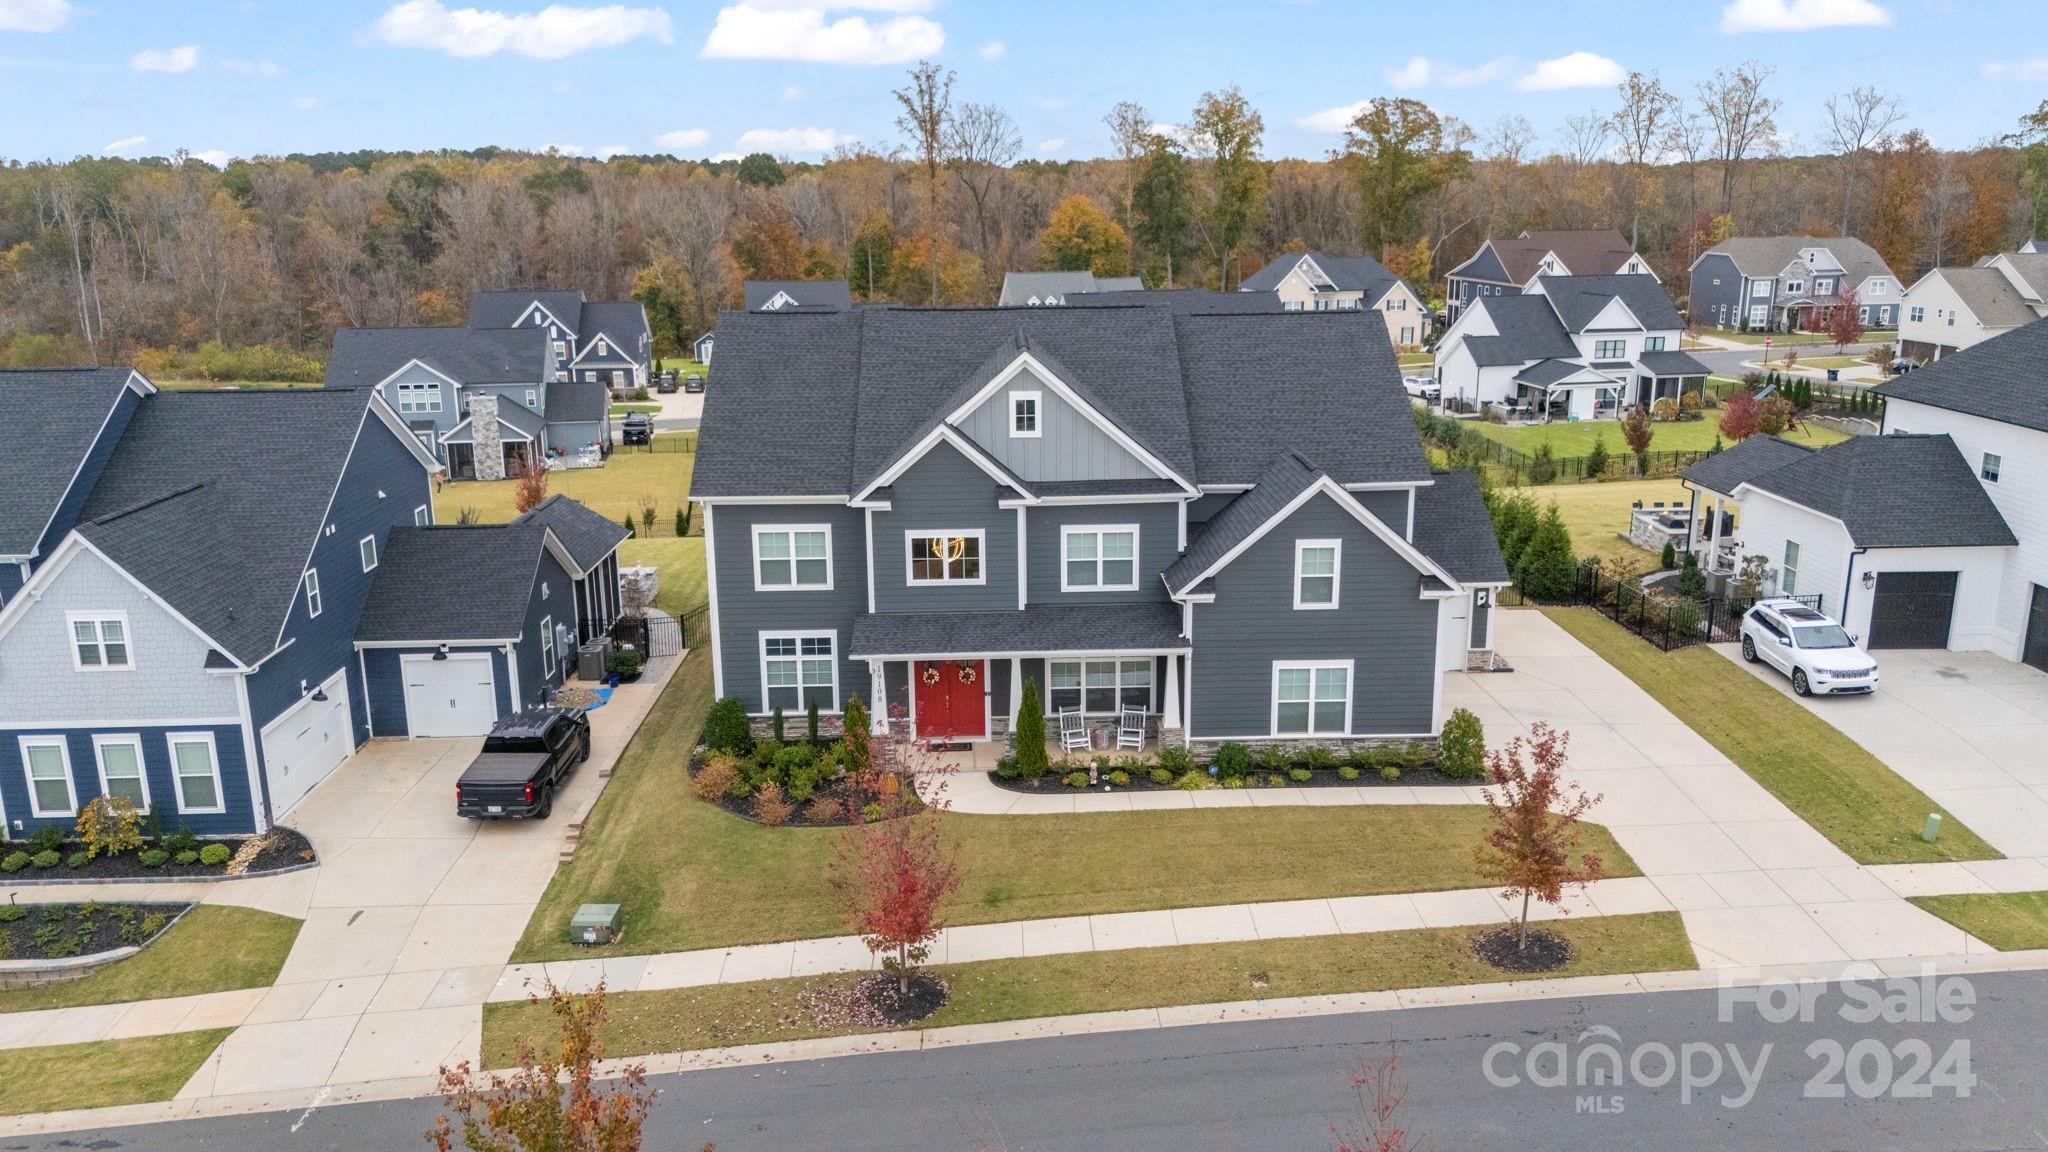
pixel 532 489
pixel 1532 839
pixel 1739 415
pixel 1378 1091
pixel 892 874
pixel 1638 431
pixel 1845 321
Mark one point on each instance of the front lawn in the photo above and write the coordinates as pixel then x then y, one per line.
pixel 1819 363
pixel 1823 776
pixel 691 875
pixel 629 409
pixel 1597 514
pixel 102 1074
pixel 215 948
pixel 1777 339
pixel 2008 921
pixel 688 1019
pixel 627 483
pixel 1575 438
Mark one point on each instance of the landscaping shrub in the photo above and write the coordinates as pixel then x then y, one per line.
pixel 1006 768
pixel 1275 780
pixel 110 825
pixel 1542 464
pixel 856 745
pixel 1161 776
pixel 1461 750
pixel 9 913
pixel 873 811
pixel 1075 780
pixel 14 862
pixel 180 841
pixel 714 779
pixel 625 663
pixel 1320 758
pixel 1596 459
pixel 154 858
pixel 811 723
pixel 823 810
pixel 1299 775
pixel 1232 760
pixel 1347 772
pixel 215 855
pixel 1274 758
pixel 775 727
pixel 48 859
pixel 770 807
pixel 186 858
pixel 1191 781
pixel 1120 778
pixel 1176 759
pixel 682 524
pixel 1669 559
pixel 789 762
pixel 726 729
pixel 48 838
pixel 1390 772
pixel 78 860
pixel 152 924
pixel 1031 760
pixel 1548 570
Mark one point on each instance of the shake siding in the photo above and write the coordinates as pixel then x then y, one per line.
pixel 1070 446
pixel 943 491
pixel 1382 624
pixel 156 763
pixel 387 685
pixel 743 613
pixel 1158 530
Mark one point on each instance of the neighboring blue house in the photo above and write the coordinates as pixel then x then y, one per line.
pixel 189 641
pixel 603 342
pixel 1507 267
pixel 1791 284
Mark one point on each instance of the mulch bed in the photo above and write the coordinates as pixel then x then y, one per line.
pixel 1053 783
pixel 62 931
pixel 1546 951
pixel 873 1001
pixel 285 848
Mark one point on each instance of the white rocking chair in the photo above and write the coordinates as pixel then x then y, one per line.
pixel 1130 728
pixel 1073 733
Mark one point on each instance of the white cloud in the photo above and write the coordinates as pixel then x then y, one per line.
pixel 993 50
pixel 1413 74
pixel 1421 71
pixel 304 103
pixel 782 30
pixel 792 94
pixel 728 157
pixel 1578 70
pixel 611 150
pixel 2032 71
pixel 1048 147
pixel 1332 120
pixel 1801 15
pixel 791 140
pixel 555 31
pixel 563 149
pixel 124 144
pixel 34 15
pixel 264 68
pixel 683 138
pixel 172 60
pixel 214 156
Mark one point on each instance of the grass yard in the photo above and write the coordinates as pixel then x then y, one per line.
pixel 215 948
pixel 627 482
pixel 629 409
pixel 1416 361
pixel 102 1074
pixel 1819 363
pixel 681 562
pixel 177 384
pixel 2008 921
pixel 1829 780
pixel 690 875
pixel 1575 438
pixel 1777 339
pixel 687 1019
pixel 1597 514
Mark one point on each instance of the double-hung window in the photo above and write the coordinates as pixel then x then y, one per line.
pixel 121 774
pixel 1790 584
pixel 1795 287
pixel 1312 698
pixel 1992 463
pixel 1099 558
pixel 1024 414
pixel 1916 313
pixel 99 643
pixel 47 761
pixel 1653 343
pixel 798 670
pixel 945 557
pixel 416 397
pixel 1316 564
pixel 547 646
pixel 1610 349
pixel 366 551
pixel 313 604
pixel 791 556
pixel 195 769
pixel 1099 687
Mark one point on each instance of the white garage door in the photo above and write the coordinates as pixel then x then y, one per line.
pixel 309 741
pixel 457 696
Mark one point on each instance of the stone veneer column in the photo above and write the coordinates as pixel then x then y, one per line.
pixel 487 447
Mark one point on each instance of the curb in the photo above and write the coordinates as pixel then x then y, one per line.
pixel 61 881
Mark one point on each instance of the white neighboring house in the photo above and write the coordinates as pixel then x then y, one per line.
pixel 1950 309
pixel 1572 347
pixel 1317 282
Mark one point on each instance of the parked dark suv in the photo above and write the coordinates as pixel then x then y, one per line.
pixel 524 760
pixel 638 429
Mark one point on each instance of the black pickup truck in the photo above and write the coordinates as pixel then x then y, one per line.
pixel 524 759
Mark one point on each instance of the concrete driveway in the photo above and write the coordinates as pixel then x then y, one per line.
pixel 1968 728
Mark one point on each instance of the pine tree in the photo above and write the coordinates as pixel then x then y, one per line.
pixel 1596 460
pixel 1547 569
pixel 1692 583
pixel 1031 758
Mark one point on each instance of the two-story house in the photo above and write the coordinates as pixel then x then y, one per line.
pixel 1317 282
pixel 1507 266
pixel 782 296
pixel 928 508
pixel 61 425
pixel 606 342
pixel 1573 347
pixel 1791 284
pixel 1950 309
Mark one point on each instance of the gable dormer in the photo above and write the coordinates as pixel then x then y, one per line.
pixel 1044 428
pixel 1615 316
pixel 781 300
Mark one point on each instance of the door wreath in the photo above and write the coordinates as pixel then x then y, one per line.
pixel 930 674
pixel 967 674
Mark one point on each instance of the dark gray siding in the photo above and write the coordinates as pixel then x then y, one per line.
pixel 943 491
pixel 1710 304
pixel 1382 625
pixel 386 684
pixel 1158 532
pixel 743 614
pixel 558 608
pixel 896 678
pixel 1390 505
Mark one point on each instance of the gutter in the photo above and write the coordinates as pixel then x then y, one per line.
pixel 1849 582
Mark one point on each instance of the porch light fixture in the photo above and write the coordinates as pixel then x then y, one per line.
pixel 319 696
pixel 1869 580
pixel 441 653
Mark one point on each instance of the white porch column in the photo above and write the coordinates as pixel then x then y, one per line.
pixel 1017 688
pixel 1172 717
pixel 878 708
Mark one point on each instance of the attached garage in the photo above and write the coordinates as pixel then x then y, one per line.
pixel 306 743
pixel 2036 651
pixel 1912 609
pixel 449 695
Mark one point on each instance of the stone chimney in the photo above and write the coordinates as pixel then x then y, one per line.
pixel 483 431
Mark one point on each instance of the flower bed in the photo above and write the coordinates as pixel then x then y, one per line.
pixel 43 932
pixel 61 860
pixel 1234 766
pixel 811 787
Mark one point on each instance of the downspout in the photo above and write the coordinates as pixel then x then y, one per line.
pixel 1848 583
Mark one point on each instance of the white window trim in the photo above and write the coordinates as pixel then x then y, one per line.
pixel 1037 415
pixel 367 557
pixel 171 742
pixel 791 530
pixel 310 584
pixel 71 620
pixel 63 747
pixel 1068 531
pixel 547 646
pixel 799 635
pixel 416 406
pixel 1336 574
pixel 421 516
pixel 1151 689
pixel 1789 567
pixel 133 740
pixel 977 534
pixel 1313 666
pixel 1990 467
pixel 533 399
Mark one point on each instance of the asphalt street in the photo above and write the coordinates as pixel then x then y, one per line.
pixel 1963 1069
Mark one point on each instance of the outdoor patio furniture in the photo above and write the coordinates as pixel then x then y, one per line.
pixel 1073 733
pixel 1130 728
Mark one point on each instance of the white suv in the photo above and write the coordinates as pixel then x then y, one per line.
pixel 1807 646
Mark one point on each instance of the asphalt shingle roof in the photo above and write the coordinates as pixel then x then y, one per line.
pixel 503 309
pixel 1529 330
pixel 52 417
pixel 365 357
pixel 1287 477
pixel 588 536
pixel 1999 379
pixel 1584 252
pixel 1672 364
pixel 810 295
pixel 1747 459
pixel 1894 492
pixel 1348 273
pixel 1453 528
pixel 623 321
pixel 578 401
pixel 1020 287
pixel 1770 255
pixel 1544 373
pixel 1989 296
pixel 1579 300
pixel 453 582
pixel 1149 626
pixel 1185 301
pixel 2032 268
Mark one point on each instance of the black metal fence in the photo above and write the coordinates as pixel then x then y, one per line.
pixel 1524 468
pixel 1662 618
pixel 684 441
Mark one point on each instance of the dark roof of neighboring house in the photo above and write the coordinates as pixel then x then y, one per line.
pixel 1672 364
pixel 810 295
pixel 503 309
pixel 578 402
pixel 1020 287
pixel 1747 459
pixel 1186 301
pixel 1989 296
pixel 1998 379
pixel 1348 273
pixel 823 404
pixel 1151 626
pixel 213 500
pixel 365 357
pixel 587 536
pixel 624 321
pixel 1894 492
pixel 1529 330
pixel 52 418
pixel 1579 300
pixel 1287 477
pixel 1454 528
pixel 1544 373
pixel 1770 255
pixel 453 582
pixel 1584 252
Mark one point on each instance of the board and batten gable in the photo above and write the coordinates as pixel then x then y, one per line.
pixel 744 612
pixel 1716 295
pixel 945 492
pixel 1158 525
pixel 1069 445
pixel 1381 624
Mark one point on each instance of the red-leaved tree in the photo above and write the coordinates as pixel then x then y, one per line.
pixel 1531 845
pixel 893 867
pixel 1637 429
pixel 532 488
pixel 1739 415
pixel 1845 323
pixel 1377 1088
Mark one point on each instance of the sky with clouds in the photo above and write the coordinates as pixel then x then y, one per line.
pixel 222 78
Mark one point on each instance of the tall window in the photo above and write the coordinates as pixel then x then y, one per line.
pixel 1099 559
pixel 313 604
pixel 797 671
pixel 547 646
pixel 121 772
pixel 366 551
pixel 195 769
pixel 945 558
pixel 1992 463
pixel 100 643
pixel 1791 581
pixel 48 763
pixel 602 348
pixel 1099 687
pixel 791 556
pixel 1610 349
pixel 1315 573
pixel 417 396
pixel 1024 414
pixel 1312 699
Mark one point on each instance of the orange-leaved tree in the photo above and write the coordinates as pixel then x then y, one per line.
pixel 1531 843
pixel 532 489
pixel 893 870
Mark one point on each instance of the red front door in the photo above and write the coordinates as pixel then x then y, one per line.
pixel 949 699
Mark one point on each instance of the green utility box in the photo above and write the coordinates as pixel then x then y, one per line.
pixel 594 924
